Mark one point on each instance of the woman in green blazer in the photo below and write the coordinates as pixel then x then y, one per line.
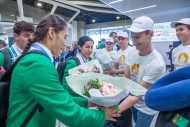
pixel 85 46
pixel 35 80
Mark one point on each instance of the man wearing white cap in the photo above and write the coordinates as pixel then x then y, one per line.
pixel 109 43
pixel 181 54
pixel 144 66
pixel 122 54
pixel 120 65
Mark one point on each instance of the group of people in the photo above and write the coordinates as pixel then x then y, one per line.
pixel 35 79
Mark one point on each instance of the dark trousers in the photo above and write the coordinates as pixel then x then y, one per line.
pixel 172 65
pixel 125 120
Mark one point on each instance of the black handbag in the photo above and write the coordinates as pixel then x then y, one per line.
pixel 174 118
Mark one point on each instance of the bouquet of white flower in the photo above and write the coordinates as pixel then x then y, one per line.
pixel 107 90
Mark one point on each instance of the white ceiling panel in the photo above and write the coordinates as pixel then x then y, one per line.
pixel 162 6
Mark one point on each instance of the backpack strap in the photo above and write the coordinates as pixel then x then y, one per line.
pixel 8 73
pixel 7 77
pixel 30 115
pixel 62 66
pixel 7 58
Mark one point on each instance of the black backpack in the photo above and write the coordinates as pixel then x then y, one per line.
pixel 7 58
pixel 165 118
pixel 4 93
pixel 61 67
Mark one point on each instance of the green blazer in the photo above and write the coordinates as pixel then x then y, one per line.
pixel 102 45
pixel 2 58
pixel 35 80
pixel 69 65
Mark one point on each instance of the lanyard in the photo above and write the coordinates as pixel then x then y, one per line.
pixel 83 58
pixel 13 51
pixel 35 45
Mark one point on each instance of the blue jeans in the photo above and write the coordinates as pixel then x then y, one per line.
pixel 108 124
pixel 141 119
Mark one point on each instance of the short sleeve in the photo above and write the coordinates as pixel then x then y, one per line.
pixel 153 73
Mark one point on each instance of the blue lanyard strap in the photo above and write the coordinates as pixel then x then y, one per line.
pixel 83 58
pixel 136 96
pixel 35 45
pixel 13 51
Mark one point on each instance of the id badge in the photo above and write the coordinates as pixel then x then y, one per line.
pixel 180 120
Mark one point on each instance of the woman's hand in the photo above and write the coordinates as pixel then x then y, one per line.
pixel 110 112
pixel 91 104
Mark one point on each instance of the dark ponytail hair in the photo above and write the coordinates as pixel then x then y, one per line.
pixel 83 40
pixel 42 28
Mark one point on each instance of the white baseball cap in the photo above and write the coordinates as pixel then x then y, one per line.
pixel 142 24
pixel 109 39
pixel 122 34
pixel 185 21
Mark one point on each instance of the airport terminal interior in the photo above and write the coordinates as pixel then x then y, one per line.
pixel 94 63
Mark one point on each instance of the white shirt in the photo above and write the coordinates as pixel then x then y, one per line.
pixel 17 50
pixel 181 56
pixel 111 54
pixel 80 58
pixel 46 49
pixel 122 56
pixel 115 47
pixel 148 68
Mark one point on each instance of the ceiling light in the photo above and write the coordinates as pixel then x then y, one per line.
pixel 93 20
pixel 39 4
pixel 12 15
pixel 115 1
pixel 8 28
pixel 118 17
pixel 140 9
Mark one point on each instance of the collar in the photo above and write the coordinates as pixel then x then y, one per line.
pixel 46 49
pixel 17 49
pixel 81 59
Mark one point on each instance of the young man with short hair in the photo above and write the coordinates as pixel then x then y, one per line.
pixel 22 31
pixel 181 54
pixel 109 43
pixel 2 44
pixel 144 66
pixel 122 54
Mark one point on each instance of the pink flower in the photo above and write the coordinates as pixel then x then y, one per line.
pixel 100 89
pixel 98 71
pixel 109 86
pixel 87 69
pixel 114 90
pixel 88 87
pixel 93 69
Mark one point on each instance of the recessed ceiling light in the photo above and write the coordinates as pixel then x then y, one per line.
pixel 8 28
pixel 140 9
pixel 39 4
pixel 115 1
pixel 12 15
pixel 93 20
pixel 118 17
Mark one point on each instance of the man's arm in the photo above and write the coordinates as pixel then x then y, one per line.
pixel 174 68
pixel 131 100
pixel 115 70
pixel 127 72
